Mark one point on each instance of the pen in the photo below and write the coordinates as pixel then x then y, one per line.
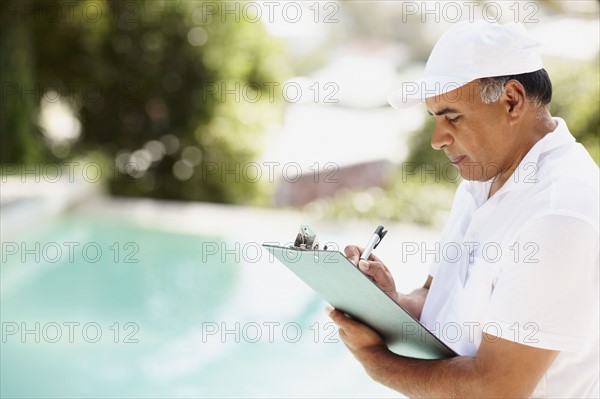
pixel 373 242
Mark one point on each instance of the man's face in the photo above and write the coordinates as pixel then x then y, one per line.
pixel 474 135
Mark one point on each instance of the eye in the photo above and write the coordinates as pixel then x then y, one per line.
pixel 455 119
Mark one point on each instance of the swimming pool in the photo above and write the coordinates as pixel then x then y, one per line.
pixel 96 306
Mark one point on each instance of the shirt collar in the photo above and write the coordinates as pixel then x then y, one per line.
pixel 529 167
pixel 558 137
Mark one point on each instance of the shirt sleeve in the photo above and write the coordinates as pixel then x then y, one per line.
pixel 546 294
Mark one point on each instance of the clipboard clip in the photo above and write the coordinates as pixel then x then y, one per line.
pixel 306 239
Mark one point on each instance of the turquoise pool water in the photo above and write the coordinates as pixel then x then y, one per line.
pixel 106 308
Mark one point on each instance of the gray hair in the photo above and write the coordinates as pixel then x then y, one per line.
pixel 491 89
pixel 537 85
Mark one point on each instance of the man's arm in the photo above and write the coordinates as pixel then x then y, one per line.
pixel 500 368
pixel 414 301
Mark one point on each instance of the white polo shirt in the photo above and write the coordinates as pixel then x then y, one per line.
pixel 523 265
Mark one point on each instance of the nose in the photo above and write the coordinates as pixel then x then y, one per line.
pixel 440 137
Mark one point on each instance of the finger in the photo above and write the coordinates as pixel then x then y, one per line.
pixel 353 252
pixel 329 310
pixel 338 317
pixel 374 258
pixel 377 271
pixel 344 322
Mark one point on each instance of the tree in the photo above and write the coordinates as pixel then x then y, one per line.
pixel 168 93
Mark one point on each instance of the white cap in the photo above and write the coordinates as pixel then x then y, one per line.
pixel 469 51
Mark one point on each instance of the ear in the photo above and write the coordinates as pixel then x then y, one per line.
pixel 514 100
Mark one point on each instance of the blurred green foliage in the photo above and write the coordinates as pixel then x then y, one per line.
pixel 18 141
pixel 576 99
pixel 166 92
pixel 408 197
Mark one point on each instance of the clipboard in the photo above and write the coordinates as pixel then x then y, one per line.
pixel 331 275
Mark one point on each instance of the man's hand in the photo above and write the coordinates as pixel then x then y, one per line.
pixel 357 336
pixel 374 268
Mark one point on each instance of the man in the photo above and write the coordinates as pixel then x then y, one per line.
pixel 522 297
